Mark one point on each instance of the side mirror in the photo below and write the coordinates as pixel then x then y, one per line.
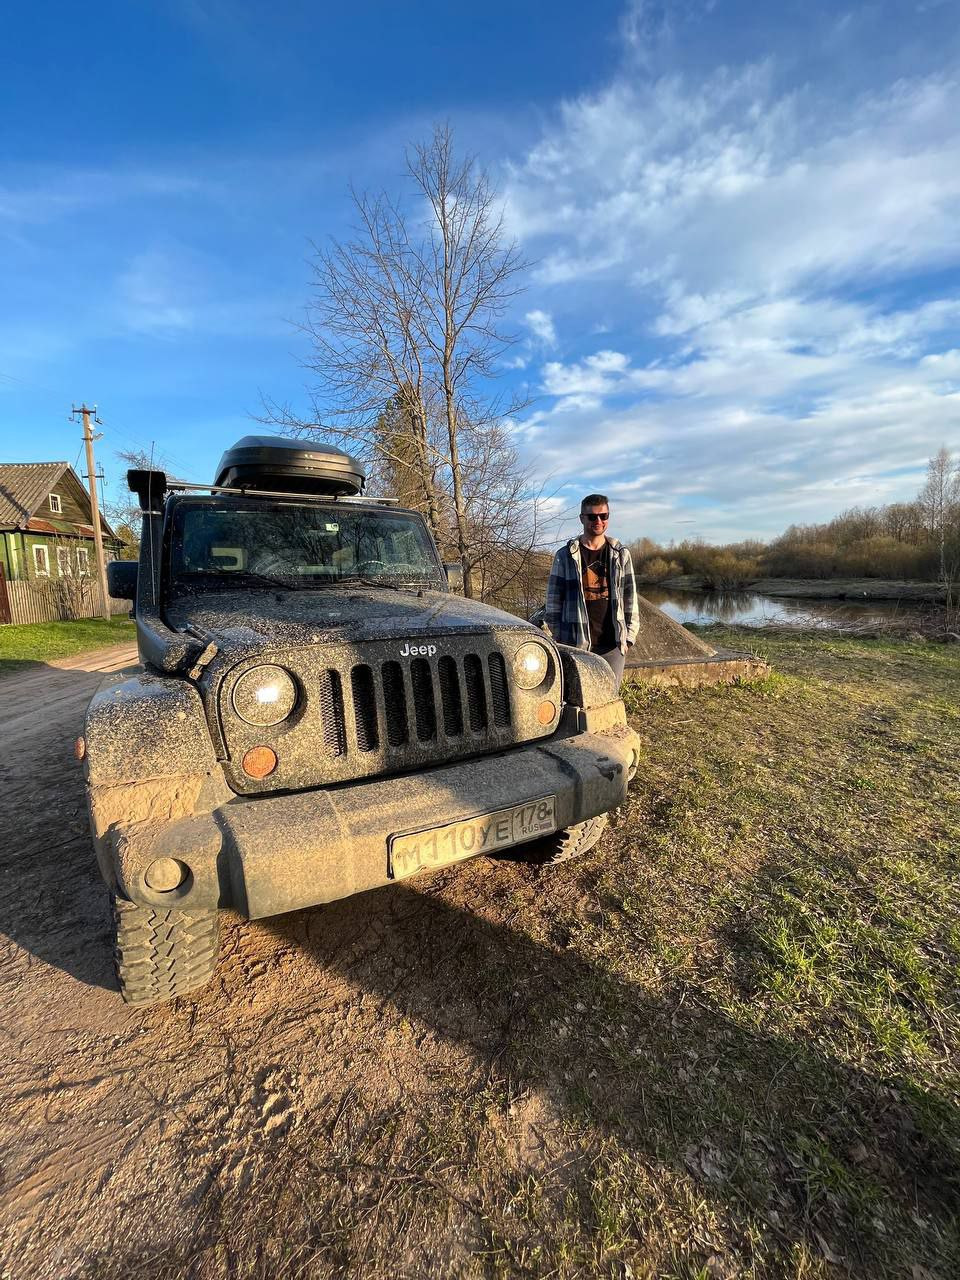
pixel 454 574
pixel 122 579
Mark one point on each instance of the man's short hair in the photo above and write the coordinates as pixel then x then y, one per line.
pixel 594 500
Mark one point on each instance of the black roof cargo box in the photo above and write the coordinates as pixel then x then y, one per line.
pixel 289 466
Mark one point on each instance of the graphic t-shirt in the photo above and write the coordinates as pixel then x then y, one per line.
pixel 595 573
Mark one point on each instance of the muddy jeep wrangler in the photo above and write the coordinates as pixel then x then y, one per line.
pixel 319 712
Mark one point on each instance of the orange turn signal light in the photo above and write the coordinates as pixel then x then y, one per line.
pixel 546 713
pixel 259 762
pixel 80 747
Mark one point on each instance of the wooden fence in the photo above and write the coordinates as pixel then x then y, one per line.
pixel 53 600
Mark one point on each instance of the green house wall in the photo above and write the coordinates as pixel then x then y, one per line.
pixel 9 540
pixel 25 542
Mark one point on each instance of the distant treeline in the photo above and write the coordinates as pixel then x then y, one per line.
pixel 918 539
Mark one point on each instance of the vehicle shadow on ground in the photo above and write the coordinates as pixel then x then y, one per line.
pixel 53 902
pixel 768 1127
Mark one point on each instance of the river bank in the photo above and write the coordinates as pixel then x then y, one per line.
pixel 852 616
pixel 823 588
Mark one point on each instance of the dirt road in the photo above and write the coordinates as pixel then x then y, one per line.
pixel 129 1137
pixel 612 1068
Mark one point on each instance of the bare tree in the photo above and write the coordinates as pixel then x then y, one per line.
pixel 123 512
pixel 404 462
pixel 472 273
pixel 405 321
pixel 501 506
pixel 940 500
pixel 903 521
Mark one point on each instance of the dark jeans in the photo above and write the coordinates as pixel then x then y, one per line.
pixel 615 660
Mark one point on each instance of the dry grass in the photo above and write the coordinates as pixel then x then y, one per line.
pixel 22 646
pixel 723 1044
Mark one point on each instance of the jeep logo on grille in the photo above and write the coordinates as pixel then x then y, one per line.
pixel 418 650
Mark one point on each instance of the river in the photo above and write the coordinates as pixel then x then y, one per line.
pixel 748 609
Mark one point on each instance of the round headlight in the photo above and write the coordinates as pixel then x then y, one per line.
pixel 264 696
pixel 530 664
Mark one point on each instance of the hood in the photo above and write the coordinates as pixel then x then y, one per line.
pixel 330 615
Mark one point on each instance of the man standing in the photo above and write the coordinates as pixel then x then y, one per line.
pixel 591 593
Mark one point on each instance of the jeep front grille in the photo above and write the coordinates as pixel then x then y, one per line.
pixel 498 686
pixel 365 708
pixel 476 693
pixel 395 703
pixel 365 711
pixel 426 712
pixel 331 712
pixel 379 707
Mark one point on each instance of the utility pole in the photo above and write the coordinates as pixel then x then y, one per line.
pixel 88 439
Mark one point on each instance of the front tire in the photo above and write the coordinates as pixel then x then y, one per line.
pixel 564 845
pixel 160 955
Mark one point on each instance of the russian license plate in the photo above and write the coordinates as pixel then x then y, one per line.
pixel 439 846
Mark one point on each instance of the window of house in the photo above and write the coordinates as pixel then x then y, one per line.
pixel 63 562
pixel 83 561
pixel 55 503
pixel 41 560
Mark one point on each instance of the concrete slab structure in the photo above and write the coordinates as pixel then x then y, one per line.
pixel 725 666
pixel 667 655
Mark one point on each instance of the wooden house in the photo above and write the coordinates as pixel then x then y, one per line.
pixel 46 530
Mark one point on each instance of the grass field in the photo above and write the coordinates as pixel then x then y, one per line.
pixel 723 1044
pixel 20 646
pixel 765 1038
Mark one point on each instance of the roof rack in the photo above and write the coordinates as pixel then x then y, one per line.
pixel 181 485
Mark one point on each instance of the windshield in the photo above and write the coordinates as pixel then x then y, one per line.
pixel 293 545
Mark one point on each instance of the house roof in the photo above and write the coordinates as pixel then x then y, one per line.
pixel 24 487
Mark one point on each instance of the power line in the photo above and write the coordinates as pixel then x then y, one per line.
pixel 125 434
pixel 112 426
pixel 37 386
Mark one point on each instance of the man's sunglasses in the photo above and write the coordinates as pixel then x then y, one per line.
pixel 596 515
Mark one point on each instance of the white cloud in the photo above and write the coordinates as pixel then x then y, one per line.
pixel 727 186
pixel 542 327
pixel 597 375
pixel 766 265
pixel 156 291
pixel 43 196
pixel 172 291
pixel 943 364
pixel 603 374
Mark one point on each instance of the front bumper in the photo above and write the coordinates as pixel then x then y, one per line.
pixel 279 853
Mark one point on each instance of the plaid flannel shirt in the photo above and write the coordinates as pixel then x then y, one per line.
pixel 566 610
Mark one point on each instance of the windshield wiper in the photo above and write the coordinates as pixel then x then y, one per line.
pixel 416 585
pixel 354 579
pixel 285 583
pixel 244 575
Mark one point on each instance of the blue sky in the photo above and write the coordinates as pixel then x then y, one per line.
pixel 744 219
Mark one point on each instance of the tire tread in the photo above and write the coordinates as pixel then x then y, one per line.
pixel 160 955
pixel 569 843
